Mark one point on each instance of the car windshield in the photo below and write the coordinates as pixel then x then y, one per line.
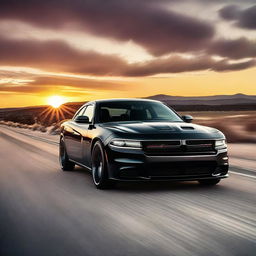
pixel 136 111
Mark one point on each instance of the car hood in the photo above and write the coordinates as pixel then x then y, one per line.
pixel 169 129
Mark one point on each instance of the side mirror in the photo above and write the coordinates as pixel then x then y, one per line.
pixel 82 120
pixel 187 118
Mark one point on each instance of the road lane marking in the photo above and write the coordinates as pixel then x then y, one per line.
pixel 242 174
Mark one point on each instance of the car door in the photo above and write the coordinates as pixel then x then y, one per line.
pixel 73 137
pixel 86 141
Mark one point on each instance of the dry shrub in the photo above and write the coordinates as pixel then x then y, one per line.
pixel 18 125
pixel 42 129
pixel 9 123
pixel 12 124
pixel 35 127
pixel 15 125
pixel 24 126
pixel 38 127
pixel 54 129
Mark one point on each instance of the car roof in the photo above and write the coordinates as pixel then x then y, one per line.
pixel 121 99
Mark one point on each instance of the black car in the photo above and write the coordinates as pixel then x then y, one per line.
pixel 137 139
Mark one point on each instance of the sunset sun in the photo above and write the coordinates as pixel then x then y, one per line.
pixel 55 101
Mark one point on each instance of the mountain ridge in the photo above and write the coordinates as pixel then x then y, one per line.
pixel 233 99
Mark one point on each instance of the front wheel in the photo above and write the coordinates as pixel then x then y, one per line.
pixel 65 164
pixel 99 167
pixel 209 182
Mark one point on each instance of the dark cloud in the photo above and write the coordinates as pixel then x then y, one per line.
pixel 244 18
pixel 147 23
pixel 79 83
pixel 58 56
pixel 229 12
pixel 177 64
pixel 234 49
pixel 174 64
pixel 248 18
pixel 39 84
pixel 79 86
pixel 226 66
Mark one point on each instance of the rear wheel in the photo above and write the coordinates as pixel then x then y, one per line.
pixel 99 167
pixel 209 182
pixel 65 163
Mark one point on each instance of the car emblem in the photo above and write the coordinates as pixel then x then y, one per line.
pixel 183 145
pixel 182 142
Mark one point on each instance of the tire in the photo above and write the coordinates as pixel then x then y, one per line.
pixel 209 182
pixel 99 167
pixel 65 164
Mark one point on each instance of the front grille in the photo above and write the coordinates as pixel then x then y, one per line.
pixel 200 145
pixel 179 147
pixel 177 169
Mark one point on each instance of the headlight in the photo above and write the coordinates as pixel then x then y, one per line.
pixel 220 143
pixel 126 143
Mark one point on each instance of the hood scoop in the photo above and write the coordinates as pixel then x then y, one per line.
pixel 187 128
pixel 163 128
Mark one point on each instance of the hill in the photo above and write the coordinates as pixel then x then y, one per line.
pixel 236 99
pixel 47 115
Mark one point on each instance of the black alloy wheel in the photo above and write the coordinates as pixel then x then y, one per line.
pixel 99 167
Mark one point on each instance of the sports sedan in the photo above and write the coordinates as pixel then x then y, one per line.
pixel 137 139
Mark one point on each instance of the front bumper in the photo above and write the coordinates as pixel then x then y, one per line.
pixel 134 165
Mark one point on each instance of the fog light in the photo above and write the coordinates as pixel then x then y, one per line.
pixel 216 174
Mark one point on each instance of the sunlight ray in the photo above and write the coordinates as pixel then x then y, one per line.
pixel 47 114
pixel 61 114
pixel 69 108
pixel 52 115
pixel 57 115
pixel 68 111
pixel 46 110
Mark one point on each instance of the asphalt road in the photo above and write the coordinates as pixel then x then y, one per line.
pixel 44 211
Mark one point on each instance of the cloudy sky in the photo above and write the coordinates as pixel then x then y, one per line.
pixel 88 49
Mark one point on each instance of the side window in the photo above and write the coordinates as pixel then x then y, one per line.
pixel 149 116
pixel 89 112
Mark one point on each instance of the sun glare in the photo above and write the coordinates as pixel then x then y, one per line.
pixel 56 110
pixel 55 101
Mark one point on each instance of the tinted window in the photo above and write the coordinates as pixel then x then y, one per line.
pixel 89 112
pixel 136 111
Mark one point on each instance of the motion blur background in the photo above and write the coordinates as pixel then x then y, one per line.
pixel 234 115
pixel 55 52
pixel 197 56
